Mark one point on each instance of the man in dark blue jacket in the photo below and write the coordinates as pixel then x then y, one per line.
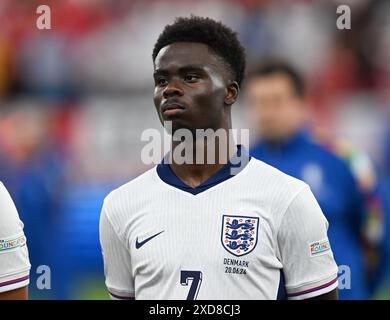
pixel 275 97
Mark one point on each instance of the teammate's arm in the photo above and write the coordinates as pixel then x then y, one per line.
pixel 332 295
pixel 17 294
pixel 14 260
pixel 308 264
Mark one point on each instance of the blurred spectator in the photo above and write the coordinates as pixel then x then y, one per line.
pixel 275 94
pixel 381 279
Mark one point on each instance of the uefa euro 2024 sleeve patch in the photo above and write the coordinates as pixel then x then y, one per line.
pixel 12 243
pixel 239 234
pixel 318 248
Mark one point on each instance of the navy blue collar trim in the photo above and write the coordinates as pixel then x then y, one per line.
pixel 238 162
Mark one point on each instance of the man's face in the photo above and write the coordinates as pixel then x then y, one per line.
pixel 274 107
pixel 190 87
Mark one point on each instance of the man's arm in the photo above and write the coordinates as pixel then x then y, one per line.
pixel 332 295
pixel 308 264
pixel 117 262
pixel 17 294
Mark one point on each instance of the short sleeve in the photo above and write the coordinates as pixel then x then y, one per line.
pixel 117 263
pixel 14 261
pixel 304 249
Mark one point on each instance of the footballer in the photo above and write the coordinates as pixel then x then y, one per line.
pixel 14 260
pixel 198 230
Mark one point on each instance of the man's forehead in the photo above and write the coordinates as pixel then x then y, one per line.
pixel 181 54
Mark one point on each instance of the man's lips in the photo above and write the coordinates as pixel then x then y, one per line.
pixel 171 108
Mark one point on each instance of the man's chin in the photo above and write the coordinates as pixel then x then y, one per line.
pixel 173 125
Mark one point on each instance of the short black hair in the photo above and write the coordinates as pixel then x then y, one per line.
pixel 220 38
pixel 280 67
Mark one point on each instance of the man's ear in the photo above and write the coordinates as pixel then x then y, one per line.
pixel 232 93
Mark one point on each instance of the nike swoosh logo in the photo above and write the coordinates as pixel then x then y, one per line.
pixel 140 244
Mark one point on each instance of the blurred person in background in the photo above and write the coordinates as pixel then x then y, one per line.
pixel 382 279
pixel 347 193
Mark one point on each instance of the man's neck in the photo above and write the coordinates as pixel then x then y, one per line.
pixel 205 161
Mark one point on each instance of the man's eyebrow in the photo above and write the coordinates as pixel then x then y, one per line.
pixel 190 67
pixel 159 71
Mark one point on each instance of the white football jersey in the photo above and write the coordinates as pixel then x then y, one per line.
pixel 233 237
pixel 14 261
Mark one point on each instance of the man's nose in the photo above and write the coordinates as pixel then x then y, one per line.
pixel 172 89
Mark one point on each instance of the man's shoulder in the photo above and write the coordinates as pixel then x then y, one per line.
pixel 326 152
pixel 137 186
pixel 334 152
pixel 10 223
pixel 8 208
pixel 274 189
pixel 339 161
pixel 275 180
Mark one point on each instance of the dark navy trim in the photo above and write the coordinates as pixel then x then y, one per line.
pixel 282 293
pixel 166 174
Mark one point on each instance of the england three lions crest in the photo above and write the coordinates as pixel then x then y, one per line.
pixel 239 234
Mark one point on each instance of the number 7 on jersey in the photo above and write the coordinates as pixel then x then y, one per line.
pixel 196 277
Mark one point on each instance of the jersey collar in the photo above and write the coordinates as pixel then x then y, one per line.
pixel 166 174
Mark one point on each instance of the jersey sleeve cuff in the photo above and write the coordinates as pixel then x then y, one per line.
pixel 15 281
pixel 312 289
pixel 120 295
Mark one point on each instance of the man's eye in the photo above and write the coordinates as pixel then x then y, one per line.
pixel 161 81
pixel 191 78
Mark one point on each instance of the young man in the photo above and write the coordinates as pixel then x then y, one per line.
pixel 14 261
pixel 276 101
pixel 197 231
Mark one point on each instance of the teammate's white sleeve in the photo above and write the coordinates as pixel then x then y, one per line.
pixel 14 262
pixel 308 264
pixel 117 264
